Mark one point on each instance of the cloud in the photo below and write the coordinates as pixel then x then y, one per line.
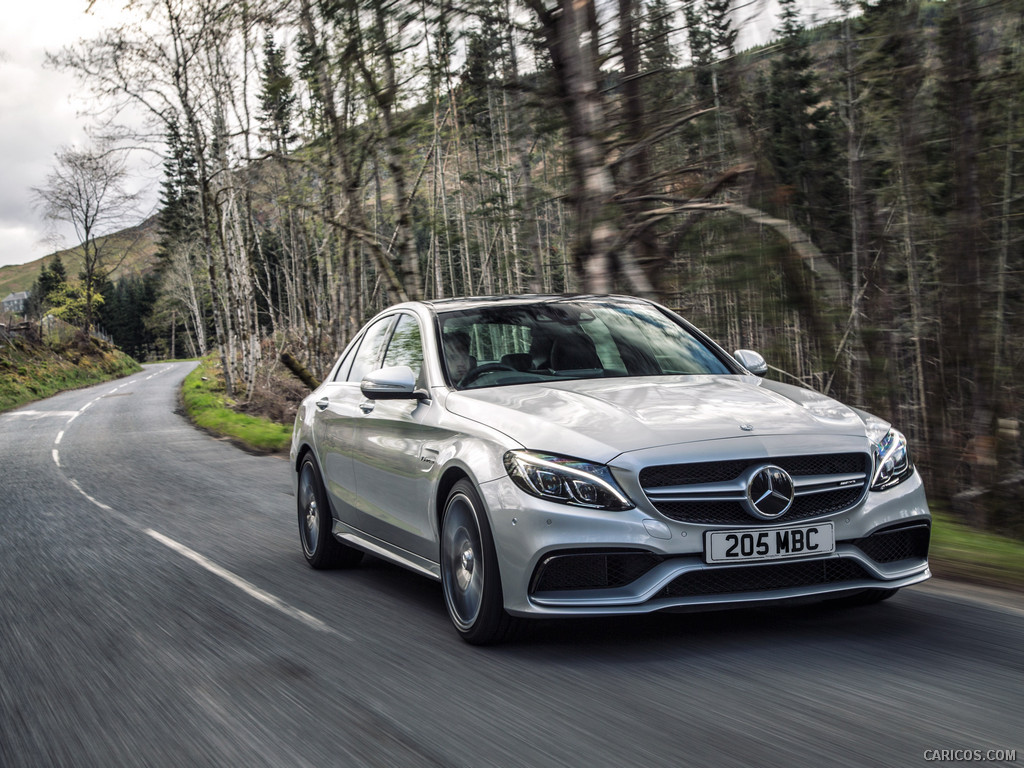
pixel 35 119
pixel 39 113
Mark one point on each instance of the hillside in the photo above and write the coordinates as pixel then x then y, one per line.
pixel 31 370
pixel 140 243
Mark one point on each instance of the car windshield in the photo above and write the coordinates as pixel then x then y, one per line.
pixel 517 344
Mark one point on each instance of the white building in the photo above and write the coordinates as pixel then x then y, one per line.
pixel 16 303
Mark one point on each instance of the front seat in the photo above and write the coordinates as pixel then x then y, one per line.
pixel 574 353
pixel 521 361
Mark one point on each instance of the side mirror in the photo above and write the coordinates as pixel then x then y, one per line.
pixel 395 383
pixel 752 361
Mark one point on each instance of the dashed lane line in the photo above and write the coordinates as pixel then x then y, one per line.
pixel 31 414
pixel 204 562
pixel 253 591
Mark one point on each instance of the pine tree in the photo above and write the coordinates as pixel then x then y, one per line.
pixel 51 278
pixel 701 49
pixel 656 51
pixel 277 98
pixel 127 305
pixel 802 144
pixel 179 200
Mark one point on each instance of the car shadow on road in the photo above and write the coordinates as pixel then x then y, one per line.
pixel 692 633
pixel 667 634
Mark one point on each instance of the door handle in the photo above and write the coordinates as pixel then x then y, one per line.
pixel 322 403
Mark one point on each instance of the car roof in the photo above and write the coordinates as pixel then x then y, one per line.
pixel 475 302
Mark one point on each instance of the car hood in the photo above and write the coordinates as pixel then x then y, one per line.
pixel 598 419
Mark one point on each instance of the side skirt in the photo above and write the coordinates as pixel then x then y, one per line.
pixel 404 558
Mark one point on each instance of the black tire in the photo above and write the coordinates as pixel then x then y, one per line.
pixel 321 549
pixel 469 570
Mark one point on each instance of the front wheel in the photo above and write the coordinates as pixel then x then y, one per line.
pixel 319 546
pixel 469 569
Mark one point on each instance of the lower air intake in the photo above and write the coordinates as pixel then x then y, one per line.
pixel 763 578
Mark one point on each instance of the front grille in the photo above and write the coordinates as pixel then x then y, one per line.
pixel 710 512
pixel 717 492
pixel 763 578
pixel 719 471
pixel 895 544
pixel 689 474
pixel 591 570
pixel 823 503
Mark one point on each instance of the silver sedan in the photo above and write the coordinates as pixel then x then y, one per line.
pixel 595 455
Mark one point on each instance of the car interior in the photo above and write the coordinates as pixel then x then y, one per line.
pixel 532 344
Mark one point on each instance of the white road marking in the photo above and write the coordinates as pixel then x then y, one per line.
pixel 235 580
pixel 98 503
pixel 38 414
pixel 250 589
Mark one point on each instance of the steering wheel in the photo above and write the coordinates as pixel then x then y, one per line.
pixel 475 373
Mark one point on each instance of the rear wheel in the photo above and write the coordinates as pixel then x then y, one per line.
pixel 469 570
pixel 319 546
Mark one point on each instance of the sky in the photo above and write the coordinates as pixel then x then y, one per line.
pixel 41 111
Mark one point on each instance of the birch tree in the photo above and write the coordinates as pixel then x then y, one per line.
pixel 87 189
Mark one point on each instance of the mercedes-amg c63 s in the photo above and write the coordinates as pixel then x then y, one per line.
pixel 595 455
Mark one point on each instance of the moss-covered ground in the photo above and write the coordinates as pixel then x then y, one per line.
pixel 31 370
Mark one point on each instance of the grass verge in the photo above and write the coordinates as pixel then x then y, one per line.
pixel 33 371
pixel 967 554
pixel 209 408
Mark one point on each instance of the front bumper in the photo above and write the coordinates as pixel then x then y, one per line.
pixel 563 561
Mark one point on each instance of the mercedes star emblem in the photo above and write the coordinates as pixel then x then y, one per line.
pixel 769 492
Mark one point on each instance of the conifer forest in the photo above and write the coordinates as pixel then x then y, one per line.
pixel 846 198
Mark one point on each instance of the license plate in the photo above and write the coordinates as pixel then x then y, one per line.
pixel 769 544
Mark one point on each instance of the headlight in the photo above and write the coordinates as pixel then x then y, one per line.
pixel 892 461
pixel 566 480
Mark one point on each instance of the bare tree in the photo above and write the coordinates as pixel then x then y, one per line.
pixel 571 33
pixel 86 189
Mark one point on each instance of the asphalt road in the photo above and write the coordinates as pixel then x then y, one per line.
pixel 155 610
